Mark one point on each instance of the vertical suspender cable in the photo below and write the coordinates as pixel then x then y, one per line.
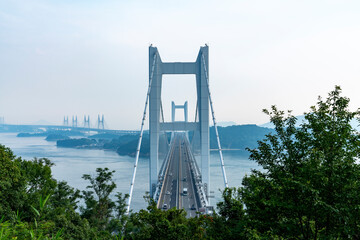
pixel 215 126
pixel 140 137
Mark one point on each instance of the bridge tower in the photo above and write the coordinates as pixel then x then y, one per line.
pixel 74 121
pixel 200 69
pixel 158 127
pixel 101 122
pixel 66 121
pixel 86 121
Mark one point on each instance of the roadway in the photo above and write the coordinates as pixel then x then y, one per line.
pixel 177 177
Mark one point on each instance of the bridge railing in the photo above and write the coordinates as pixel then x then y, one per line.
pixel 162 173
pixel 197 177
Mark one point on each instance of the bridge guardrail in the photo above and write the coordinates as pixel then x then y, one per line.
pixel 197 177
pixel 161 176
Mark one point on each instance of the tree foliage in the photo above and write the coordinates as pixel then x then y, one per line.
pixel 33 205
pixel 12 184
pixel 154 223
pixel 104 214
pixel 309 186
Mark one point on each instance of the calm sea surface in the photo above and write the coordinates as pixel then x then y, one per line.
pixel 71 164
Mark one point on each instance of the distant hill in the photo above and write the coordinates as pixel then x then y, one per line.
pixel 47 133
pixel 77 143
pixel 127 144
pixel 109 136
pixel 232 137
pixel 239 136
pixel 56 137
pixel 300 119
pixel 224 124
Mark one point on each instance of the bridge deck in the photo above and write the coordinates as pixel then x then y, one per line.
pixel 178 175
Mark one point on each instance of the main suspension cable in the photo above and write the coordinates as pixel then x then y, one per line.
pixel 140 137
pixel 215 126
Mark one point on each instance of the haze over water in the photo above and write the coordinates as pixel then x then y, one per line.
pixel 71 164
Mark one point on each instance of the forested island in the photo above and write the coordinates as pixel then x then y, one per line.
pixel 123 145
pixel 59 133
pixel 236 137
pixel 310 189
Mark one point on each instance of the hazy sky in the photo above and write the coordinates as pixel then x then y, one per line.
pixel 68 57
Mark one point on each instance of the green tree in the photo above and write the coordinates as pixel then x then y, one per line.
pixel 230 221
pixel 64 197
pixel 104 215
pixel 12 184
pixel 39 183
pixel 33 205
pixel 99 206
pixel 64 203
pixel 309 187
pixel 117 223
pixel 154 223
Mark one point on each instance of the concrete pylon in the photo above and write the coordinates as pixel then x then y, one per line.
pixel 86 121
pixel 100 122
pixel 201 128
pixel 173 110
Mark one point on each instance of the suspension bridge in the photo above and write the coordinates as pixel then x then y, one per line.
pixel 179 169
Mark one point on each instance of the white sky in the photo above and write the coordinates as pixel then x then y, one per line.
pixel 90 57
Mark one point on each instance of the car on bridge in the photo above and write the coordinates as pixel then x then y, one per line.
pixel 165 206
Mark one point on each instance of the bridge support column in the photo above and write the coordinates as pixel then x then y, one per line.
pixel 154 118
pixel 203 108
